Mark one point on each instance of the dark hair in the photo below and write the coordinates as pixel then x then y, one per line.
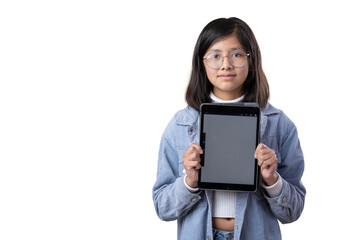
pixel 255 88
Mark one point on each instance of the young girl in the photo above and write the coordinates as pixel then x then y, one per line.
pixel 227 68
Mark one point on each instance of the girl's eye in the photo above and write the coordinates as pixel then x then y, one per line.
pixel 237 55
pixel 214 56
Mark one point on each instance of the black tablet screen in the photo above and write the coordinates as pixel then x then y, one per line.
pixel 230 146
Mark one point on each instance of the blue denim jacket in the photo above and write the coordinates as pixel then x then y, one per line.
pixel 256 214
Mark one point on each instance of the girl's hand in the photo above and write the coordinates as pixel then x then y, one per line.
pixel 191 160
pixel 267 161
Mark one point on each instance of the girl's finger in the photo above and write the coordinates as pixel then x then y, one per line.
pixel 197 148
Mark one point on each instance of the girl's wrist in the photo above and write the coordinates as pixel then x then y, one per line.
pixel 272 180
pixel 190 183
pixel 191 189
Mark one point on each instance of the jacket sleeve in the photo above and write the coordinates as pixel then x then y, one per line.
pixel 171 198
pixel 288 206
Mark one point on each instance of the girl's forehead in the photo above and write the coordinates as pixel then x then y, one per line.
pixel 227 44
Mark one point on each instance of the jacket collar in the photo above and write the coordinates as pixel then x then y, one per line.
pixel 189 116
pixel 269 110
pixel 265 112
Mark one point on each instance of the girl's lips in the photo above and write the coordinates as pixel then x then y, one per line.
pixel 227 76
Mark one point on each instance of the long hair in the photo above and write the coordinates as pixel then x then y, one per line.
pixel 255 87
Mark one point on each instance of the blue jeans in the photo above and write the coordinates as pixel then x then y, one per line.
pixel 222 235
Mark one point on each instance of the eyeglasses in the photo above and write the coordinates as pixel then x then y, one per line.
pixel 237 59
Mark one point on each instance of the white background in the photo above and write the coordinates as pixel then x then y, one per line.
pixel 87 88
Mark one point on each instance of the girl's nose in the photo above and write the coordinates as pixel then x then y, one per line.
pixel 226 63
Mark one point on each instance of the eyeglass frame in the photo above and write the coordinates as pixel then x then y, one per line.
pixel 222 59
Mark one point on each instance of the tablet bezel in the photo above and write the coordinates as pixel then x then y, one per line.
pixel 237 109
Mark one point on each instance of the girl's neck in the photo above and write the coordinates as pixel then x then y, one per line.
pixel 219 100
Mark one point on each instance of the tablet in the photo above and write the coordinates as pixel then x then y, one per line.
pixel 229 135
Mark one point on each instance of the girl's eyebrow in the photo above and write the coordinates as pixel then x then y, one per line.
pixel 231 49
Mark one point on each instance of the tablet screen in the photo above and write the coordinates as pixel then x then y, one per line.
pixel 229 140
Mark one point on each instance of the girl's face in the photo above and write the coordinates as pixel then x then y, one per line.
pixel 228 80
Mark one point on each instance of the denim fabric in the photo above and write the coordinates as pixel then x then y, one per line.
pixel 256 214
pixel 222 235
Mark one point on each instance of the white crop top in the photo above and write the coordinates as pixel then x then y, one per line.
pixel 224 203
